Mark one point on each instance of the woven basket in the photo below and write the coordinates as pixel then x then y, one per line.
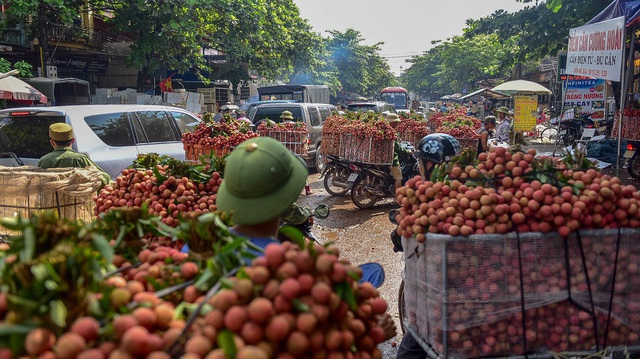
pixel 29 190
pixel 192 153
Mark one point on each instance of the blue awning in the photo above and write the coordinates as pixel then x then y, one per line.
pixel 630 9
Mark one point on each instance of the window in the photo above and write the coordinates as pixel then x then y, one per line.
pixel 156 126
pixel 113 129
pixel 325 111
pixel 28 136
pixel 185 122
pixel 314 116
pixel 273 113
pixel 140 136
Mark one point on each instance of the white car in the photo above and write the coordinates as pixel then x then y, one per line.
pixel 112 135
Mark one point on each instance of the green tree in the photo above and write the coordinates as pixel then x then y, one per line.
pixel 538 30
pixel 360 67
pixel 459 63
pixel 39 16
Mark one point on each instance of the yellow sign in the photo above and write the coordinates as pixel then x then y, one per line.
pixel 525 113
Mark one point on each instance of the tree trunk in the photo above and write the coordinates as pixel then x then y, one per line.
pixel 142 74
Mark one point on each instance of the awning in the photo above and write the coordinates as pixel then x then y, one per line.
pixel 630 9
pixel 486 92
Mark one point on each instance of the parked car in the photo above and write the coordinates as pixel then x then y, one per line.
pixel 377 107
pixel 312 114
pixel 112 135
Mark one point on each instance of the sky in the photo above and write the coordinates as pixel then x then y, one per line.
pixel 406 27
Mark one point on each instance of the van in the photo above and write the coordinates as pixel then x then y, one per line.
pixel 112 135
pixel 312 114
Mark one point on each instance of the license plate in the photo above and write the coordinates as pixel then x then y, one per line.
pixel 563 132
pixel 628 154
pixel 352 177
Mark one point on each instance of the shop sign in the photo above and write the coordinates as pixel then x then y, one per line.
pixel 596 50
pixel 524 113
pixel 588 96
pixel 77 64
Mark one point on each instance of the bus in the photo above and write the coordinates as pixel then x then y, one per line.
pixel 397 96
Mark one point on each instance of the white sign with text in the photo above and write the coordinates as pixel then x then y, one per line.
pixel 597 50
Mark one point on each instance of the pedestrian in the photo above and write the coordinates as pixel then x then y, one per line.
pixel 286 116
pixel 485 132
pixel 503 130
pixel 61 138
pixel 471 111
pixel 393 120
pixel 218 115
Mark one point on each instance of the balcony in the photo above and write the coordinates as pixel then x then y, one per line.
pixel 75 36
pixel 14 37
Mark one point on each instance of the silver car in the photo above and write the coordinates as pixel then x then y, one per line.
pixel 112 135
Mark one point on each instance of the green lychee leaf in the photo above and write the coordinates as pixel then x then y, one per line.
pixel 226 342
pixel 58 313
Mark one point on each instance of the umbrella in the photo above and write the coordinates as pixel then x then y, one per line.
pixel 522 87
pixel 14 89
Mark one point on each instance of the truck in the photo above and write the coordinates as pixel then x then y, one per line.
pixel 297 93
pixel 397 96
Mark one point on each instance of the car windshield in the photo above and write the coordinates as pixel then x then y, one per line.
pixel 361 107
pixel 273 113
pixel 27 136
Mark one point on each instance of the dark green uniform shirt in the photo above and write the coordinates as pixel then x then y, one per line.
pixel 67 157
pixel 398 150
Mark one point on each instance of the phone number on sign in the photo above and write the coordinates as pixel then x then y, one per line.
pixel 590 72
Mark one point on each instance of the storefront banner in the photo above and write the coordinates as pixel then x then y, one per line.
pixel 597 50
pixel 78 64
pixel 588 96
pixel 524 113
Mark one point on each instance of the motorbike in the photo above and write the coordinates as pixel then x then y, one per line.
pixel 336 176
pixel 630 156
pixel 373 182
pixel 289 231
pixel 571 129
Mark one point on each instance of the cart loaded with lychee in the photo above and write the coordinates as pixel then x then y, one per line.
pixel 510 254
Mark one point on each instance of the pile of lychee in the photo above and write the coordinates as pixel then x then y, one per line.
pixel 169 198
pixel 507 192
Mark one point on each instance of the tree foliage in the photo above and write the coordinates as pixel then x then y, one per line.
pixel 459 63
pixel 360 68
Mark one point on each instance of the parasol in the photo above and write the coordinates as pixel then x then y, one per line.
pixel 522 87
pixel 14 89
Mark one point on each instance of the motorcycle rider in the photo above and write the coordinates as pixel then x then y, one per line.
pixel 393 120
pixel 433 149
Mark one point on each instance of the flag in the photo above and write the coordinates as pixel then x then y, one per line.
pixel 166 86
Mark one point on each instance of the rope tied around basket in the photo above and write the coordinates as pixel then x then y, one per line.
pixel 522 305
pixel 613 286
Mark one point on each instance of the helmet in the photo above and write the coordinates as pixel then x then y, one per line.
pixel 438 148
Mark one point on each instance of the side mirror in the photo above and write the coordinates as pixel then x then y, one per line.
pixel 322 211
pixel 392 215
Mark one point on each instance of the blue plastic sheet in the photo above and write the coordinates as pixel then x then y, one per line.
pixel 630 9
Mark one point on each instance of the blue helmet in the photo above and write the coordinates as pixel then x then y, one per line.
pixel 438 148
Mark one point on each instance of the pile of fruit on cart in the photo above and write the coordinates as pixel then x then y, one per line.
pixel 630 124
pixel 119 287
pixel 412 128
pixel 359 137
pixel 219 138
pixel 294 135
pixel 459 125
pixel 520 254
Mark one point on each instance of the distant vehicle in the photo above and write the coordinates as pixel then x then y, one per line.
pixel 397 96
pixel 377 107
pixel 112 135
pixel 297 93
pixel 312 114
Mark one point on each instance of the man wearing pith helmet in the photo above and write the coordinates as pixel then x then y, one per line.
pixel 61 138
pixel 262 180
